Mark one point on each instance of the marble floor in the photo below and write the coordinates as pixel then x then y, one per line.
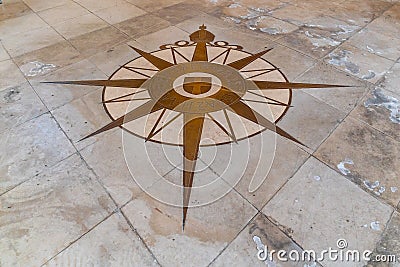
pixel 66 202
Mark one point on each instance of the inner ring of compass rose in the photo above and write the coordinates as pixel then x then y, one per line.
pixel 222 87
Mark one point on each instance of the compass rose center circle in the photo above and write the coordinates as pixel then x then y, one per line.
pixel 197 84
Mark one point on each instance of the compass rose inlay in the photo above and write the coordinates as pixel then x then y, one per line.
pixel 194 83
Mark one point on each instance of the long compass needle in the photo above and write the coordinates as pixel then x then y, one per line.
pixel 192 130
pixel 127 83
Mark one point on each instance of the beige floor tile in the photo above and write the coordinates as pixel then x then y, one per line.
pixel 310 120
pixel 318 206
pixel 13 10
pixel 359 13
pixel 39 5
pixel 287 159
pixel 259 233
pixel 26 42
pixel 391 80
pixel 61 13
pixel 60 55
pixel 3 54
pixel 20 24
pixel 360 63
pixel 374 157
pixel 380 109
pixel 208 229
pixel 177 13
pixel 82 117
pixel 311 41
pixel 94 5
pixel 389 243
pixel 377 43
pixel 296 15
pixel 119 12
pixel 150 6
pixel 387 24
pixel 290 62
pixel 80 25
pixel 98 41
pixel 344 99
pixel 108 160
pixel 19 104
pixel 112 59
pixel 31 148
pixel 142 25
pixel 56 95
pixel 122 248
pixel 168 35
pixel 43 215
pixel 10 75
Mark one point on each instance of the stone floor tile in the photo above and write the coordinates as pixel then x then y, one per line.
pixel 366 156
pixel 318 206
pixel 377 43
pixel 13 10
pixel 3 54
pixel 119 12
pixel 59 14
pixel 82 117
pixel 359 13
pixel 110 60
pixel 388 23
pixel 309 120
pixel 99 248
pixel 259 232
pixel 107 158
pixel 142 25
pixel 289 61
pixel 22 43
pixel 287 160
pixel 21 24
pixel 344 99
pixel 10 75
pixel 169 35
pixel 51 58
pixel 79 25
pixel 389 243
pixel 98 41
pixel 45 214
pixel 311 41
pixel 177 13
pixel 39 5
pixel 391 80
pixel 360 63
pixel 19 104
pixel 379 108
pixel 56 95
pixel 30 148
pixel 149 5
pixel 208 229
